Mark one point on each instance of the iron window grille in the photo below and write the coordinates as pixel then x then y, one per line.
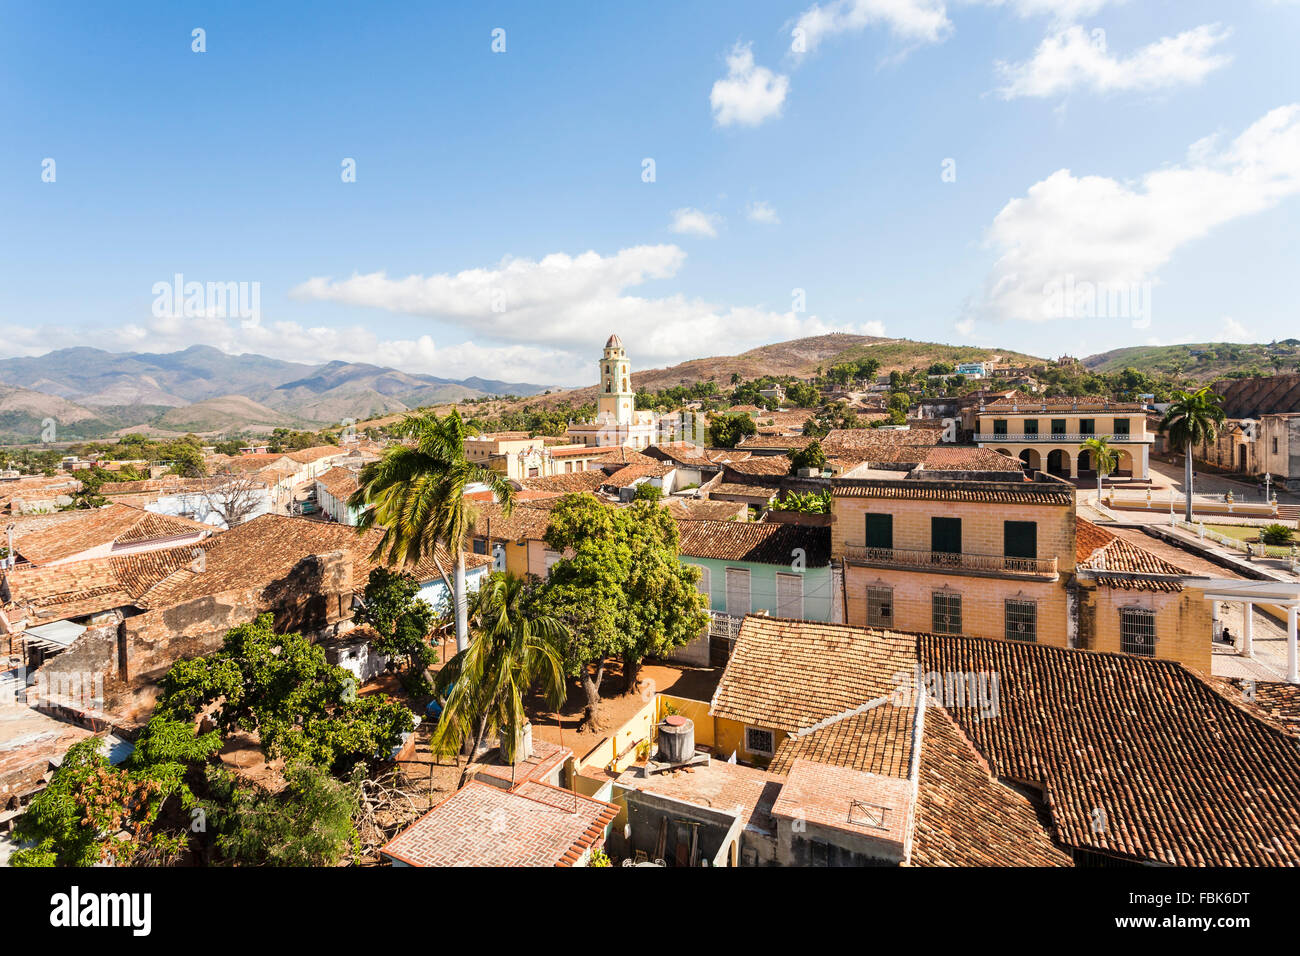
pixel 880 607
pixel 1137 631
pixel 947 612
pixel 1022 621
pixel 759 741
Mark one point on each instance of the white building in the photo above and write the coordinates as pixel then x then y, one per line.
pixel 617 420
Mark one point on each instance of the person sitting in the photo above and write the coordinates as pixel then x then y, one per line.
pixel 1228 639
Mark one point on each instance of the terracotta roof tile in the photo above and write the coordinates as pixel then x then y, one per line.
pixel 1139 758
pixel 483 825
pixel 758 541
pixel 789 675
pixel 964 816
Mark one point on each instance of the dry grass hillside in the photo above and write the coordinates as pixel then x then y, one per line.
pixel 799 357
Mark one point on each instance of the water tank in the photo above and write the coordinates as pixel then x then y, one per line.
pixel 676 739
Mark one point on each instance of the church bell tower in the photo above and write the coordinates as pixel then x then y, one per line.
pixel 616 396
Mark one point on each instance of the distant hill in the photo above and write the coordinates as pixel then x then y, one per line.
pixel 801 358
pixel 226 413
pixel 1204 363
pixel 24 414
pixel 162 392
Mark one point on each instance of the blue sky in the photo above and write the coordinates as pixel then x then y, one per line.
pixel 500 222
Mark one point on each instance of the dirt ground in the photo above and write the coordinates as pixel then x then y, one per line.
pixel 616 706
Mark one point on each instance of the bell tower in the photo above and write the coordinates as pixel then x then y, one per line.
pixel 616 396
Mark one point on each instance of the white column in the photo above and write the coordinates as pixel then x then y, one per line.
pixel 1247 629
pixel 1292 675
pixel 1146 473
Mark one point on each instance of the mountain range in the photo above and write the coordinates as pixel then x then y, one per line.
pixel 92 393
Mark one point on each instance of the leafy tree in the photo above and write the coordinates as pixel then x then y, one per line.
pixel 726 431
pixel 648 492
pixel 868 369
pixel 310 823
pixel 187 461
pixel 815 429
pixel 92 812
pixel 1193 418
pixel 810 456
pixel 515 646
pixel 623 592
pixel 282 687
pixel 416 494
pixel 393 607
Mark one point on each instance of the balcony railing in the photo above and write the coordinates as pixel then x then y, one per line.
pixel 1071 438
pixel 951 561
pixel 724 625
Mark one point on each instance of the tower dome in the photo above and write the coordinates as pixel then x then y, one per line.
pixel 614 342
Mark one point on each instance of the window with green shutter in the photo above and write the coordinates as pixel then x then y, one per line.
pixel 945 535
pixel 1020 539
pixel 1031 426
pixel 1058 426
pixel 880 530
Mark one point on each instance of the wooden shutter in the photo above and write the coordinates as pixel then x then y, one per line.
pixel 879 530
pixel 945 535
pixel 789 595
pixel 1020 539
pixel 738 603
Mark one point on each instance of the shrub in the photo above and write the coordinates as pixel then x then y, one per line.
pixel 1276 534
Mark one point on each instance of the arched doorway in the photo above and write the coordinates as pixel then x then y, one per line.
pixel 1058 463
pixel 1085 461
pixel 1123 464
pixel 1031 459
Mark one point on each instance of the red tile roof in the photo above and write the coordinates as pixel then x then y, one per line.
pixel 42 539
pixel 757 541
pixel 484 825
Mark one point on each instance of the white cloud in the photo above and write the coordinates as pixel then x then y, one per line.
pixel 691 222
pixel 1234 331
pixel 566 303
pixel 1062 11
pixel 1074 58
pixel 748 94
pixel 917 21
pixel 762 212
pixel 1093 231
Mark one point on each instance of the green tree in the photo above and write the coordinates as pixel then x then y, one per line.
pixel 1193 418
pixel 402 621
pixel 92 812
pixel 1104 458
pixel 282 687
pixel 648 492
pixel 515 647
pixel 416 494
pixel 810 456
pixel 309 823
pixel 623 592
pixel 726 431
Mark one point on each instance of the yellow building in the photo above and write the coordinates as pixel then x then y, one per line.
pixel 986 555
pixel 518 456
pixel 1045 434
pixel 618 422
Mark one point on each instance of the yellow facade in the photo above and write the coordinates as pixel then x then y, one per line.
pixel 909 586
pixel 1183 621
pixel 1054 447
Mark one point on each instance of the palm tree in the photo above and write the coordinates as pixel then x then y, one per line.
pixel 416 495
pixel 1192 419
pixel 1104 458
pixel 483 686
